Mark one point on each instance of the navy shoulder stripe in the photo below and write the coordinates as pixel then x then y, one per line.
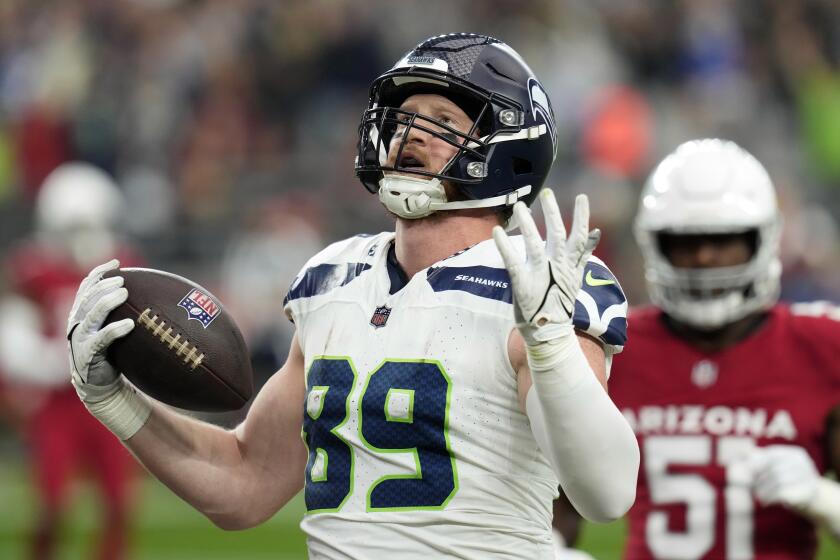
pixel 482 281
pixel 324 278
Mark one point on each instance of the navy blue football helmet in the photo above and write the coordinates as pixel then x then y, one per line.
pixel 505 157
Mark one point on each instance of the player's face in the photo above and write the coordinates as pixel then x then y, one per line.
pixel 425 151
pixel 707 250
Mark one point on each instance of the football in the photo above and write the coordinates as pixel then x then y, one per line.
pixel 185 349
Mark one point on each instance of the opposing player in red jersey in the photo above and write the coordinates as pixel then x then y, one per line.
pixel 734 398
pixel 76 212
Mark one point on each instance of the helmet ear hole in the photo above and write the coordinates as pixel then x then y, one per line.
pixel 522 166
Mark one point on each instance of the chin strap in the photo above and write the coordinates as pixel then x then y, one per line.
pixel 412 197
pixel 508 199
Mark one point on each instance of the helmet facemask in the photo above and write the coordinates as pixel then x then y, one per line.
pixel 710 298
pixel 382 127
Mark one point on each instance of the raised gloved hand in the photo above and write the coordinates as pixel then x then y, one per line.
pixel 546 281
pixel 95 299
pixel 588 442
pixel 784 474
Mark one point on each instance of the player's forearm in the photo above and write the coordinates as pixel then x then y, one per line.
pixel 589 443
pixel 236 485
pixel 199 462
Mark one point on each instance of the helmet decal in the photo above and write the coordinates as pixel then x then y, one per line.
pixel 423 61
pixel 541 106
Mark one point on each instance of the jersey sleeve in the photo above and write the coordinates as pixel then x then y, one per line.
pixel 601 307
pixel 333 267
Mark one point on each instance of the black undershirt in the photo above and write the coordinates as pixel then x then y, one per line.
pixel 395 272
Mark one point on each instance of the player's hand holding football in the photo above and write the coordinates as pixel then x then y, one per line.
pixel 97 383
pixel 546 282
pixel 88 340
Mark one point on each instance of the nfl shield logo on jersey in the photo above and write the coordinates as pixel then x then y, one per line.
pixel 380 316
pixel 704 373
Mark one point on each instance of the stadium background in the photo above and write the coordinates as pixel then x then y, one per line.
pixel 231 127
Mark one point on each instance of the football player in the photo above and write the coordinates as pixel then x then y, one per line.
pixel 77 211
pixel 734 398
pixel 443 381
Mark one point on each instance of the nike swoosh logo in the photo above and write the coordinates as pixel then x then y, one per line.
pixel 594 282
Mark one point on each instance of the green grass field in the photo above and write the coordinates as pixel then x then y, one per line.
pixel 165 527
pixel 168 529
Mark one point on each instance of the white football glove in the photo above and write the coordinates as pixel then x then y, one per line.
pixel 785 475
pixel 99 385
pixel 547 280
pixel 95 299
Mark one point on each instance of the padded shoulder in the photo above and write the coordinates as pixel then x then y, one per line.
pixel 601 306
pixel 600 309
pixel 336 265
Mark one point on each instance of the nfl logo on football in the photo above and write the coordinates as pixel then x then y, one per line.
pixel 200 307
pixel 380 316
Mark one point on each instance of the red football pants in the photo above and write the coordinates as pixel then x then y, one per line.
pixel 65 440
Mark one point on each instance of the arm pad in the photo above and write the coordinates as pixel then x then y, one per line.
pixel 588 442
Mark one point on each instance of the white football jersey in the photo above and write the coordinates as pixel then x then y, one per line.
pixel 417 445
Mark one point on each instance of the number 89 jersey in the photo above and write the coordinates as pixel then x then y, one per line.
pixel 416 440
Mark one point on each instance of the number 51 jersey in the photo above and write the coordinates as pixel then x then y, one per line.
pixel 416 440
pixel 697 414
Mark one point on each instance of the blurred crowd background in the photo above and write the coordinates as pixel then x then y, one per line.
pixel 230 126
